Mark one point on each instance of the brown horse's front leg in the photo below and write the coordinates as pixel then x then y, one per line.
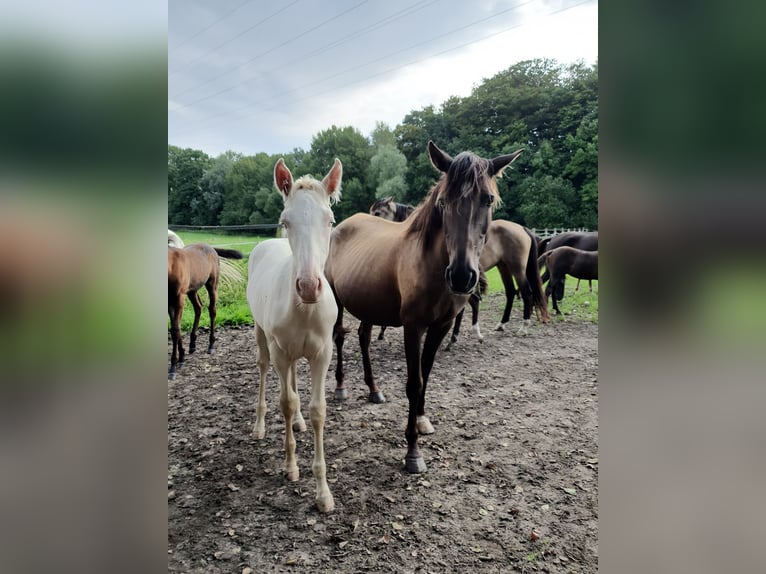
pixel 413 462
pixel 434 337
pixel 456 328
pixel 339 336
pixel 212 291
pixel 177 356
pixel 365 336
pixel 197 305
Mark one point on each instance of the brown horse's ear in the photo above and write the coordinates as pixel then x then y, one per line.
pixel 441 160
pixel 498 164
pixel 283 179
pixel 331 181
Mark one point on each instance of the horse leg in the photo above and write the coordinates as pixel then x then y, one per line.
pixel 577 287
pixel 380 335
pixel 299 424
pixel 474 303
pixel 259 429
pixel 339 336
pixel 365 335
pixel 212 291
pixel 510 293
pixel 434 336
pixel 413 462
pixel 456 328
pixel 288 402
pixel 197 305
pixel 317 415
pixel 175 310
pixel 590 285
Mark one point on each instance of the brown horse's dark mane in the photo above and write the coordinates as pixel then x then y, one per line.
pixel 466 173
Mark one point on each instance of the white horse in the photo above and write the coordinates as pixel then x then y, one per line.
pixel 294 310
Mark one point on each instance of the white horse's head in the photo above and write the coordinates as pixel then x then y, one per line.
pixel 308 219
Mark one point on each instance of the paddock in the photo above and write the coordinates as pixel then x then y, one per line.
pixel 512 481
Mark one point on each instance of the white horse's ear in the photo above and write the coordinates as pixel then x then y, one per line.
pixel 500 163
pixel 441 160
pixel 283 179
pixel 331 181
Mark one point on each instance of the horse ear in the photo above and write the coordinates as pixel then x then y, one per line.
pixel 498 164
pixel 441 160
pixel 331 181
pixel 283 179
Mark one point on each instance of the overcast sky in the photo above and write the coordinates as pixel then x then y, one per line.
pixel 265 76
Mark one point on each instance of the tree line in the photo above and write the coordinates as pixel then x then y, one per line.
pixel 547 108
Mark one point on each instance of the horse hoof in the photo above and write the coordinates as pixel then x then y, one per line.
pixel 210 350
pixel 424 426
pixel 299 425
pixel 500 327
pixel 325 503
pixel 341 394
pixel 415 465
pixel 292 475
pixel 377 397
pixel 453 339
pixel 259 433
pixel 171 376
pixel 192 349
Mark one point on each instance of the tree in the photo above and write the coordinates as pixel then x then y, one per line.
pixel 387 169
pixel 185 170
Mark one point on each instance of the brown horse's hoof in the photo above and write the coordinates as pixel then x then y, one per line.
pixel 171 375
pixel 341 394
pixel 377 397
pixel 192 348
pixel 415 465
pixel 210 349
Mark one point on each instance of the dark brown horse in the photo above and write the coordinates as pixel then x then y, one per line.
pixel 585 240
pixel 189 269
pixel 513 250
pixel 388 209
pixel 563 261
pixel 417 274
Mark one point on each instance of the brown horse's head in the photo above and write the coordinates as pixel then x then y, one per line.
pixel 463 200
pixel 384 207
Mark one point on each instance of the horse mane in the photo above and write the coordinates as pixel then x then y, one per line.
pixel 402 211
pixel 468 170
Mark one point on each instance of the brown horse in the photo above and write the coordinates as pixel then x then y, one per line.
pixel 388 209
pixel 189 269
pixel 417 274
pixel 585 240
pixel 513 250
pixel 563 261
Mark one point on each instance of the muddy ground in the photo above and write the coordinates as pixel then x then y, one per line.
pixel 515 451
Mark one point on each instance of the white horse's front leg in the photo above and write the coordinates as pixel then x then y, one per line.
pixel 259 429
pixel 299 424
pixel 288 401
pixel 317 414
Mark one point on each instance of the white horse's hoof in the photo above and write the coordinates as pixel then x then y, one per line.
pixel 292 474
pixel 259 433
pixel 325 503
pixel 299 425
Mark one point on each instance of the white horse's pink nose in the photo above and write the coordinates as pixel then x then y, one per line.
pixel 308 288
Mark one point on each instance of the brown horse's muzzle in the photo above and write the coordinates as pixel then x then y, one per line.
pixel 308 289
pixel 461 279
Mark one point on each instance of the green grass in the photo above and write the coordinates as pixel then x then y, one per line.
pixel 233 309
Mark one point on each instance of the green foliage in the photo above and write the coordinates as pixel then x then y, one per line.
pixel 549 109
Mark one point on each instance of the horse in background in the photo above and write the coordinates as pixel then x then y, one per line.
pixel 294 311
pixel 388 209
pixel 511 248
pixel 417 274
pixel 189 269
pixel 584 240
pixel 563 261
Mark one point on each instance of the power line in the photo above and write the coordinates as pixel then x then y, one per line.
pixel 303 57
pixel 387 71
pixel 206 28
pixel 230 40
pixel 293 39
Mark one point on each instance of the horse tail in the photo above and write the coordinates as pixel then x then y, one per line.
pixel 229 253
pixel 543 260
pixel 543 245
pixel 539 300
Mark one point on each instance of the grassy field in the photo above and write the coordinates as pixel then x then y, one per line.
pixel 234 310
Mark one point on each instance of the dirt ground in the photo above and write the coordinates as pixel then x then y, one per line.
pixel 515 451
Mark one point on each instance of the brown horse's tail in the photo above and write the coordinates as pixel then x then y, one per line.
pixel 539 300
pixel 229 253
